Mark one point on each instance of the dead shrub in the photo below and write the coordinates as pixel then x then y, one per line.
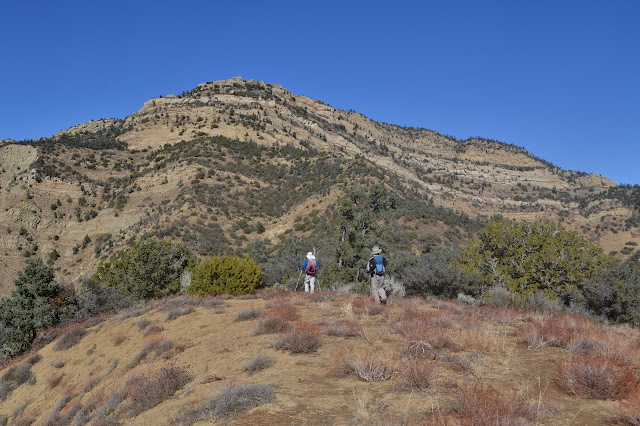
pixel 425 343
pixel 302 338
pixel 363 305
pixel 283 309
pixel 321 297
pixel 273 293
pixel 92 383
pixel 55 381
pixel 175 313
pixel 270 325
pixel 559 330
pixel 118 339
pixel 56 417
pixel 596 376
pixel 142 323
pixel 13 378
pixel 143 393
pixel 419 374
pixel 259 363
pixel 630 411
pixel 485 405
pixel 153 329
pixel 456 362
pixel 247 314
pixel 162 348
pixel 177 302
pixel 370 368
pixel 233 399
pixel 71 336
pixel 23 420
pixel 341 328
pixel 413 322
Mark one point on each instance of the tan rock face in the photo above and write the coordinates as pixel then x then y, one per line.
pixel 477 176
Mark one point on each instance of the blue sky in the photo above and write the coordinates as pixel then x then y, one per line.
pixel 560 78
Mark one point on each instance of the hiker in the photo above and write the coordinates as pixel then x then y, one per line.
pixel 310 268
pixel 376 268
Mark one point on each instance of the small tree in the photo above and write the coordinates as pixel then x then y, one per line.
pixel 527 257
pixel 225 274
pixel 149 269
pixel 30 307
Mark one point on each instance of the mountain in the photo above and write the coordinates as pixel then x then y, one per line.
pixel 233 161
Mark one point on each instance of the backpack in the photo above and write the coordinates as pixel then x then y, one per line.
pixel 312 267
pixel 379 265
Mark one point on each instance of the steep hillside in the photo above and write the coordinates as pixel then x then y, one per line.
pixel 232 161
pixel 331 358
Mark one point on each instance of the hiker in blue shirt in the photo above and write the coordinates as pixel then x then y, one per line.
pixel 376 267
pixel 310 268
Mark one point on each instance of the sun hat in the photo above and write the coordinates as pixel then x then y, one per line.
pixel 310 256
pixel 376 250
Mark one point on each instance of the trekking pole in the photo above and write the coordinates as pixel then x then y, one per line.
pixel 298 282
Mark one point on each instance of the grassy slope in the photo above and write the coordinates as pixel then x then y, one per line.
pixel 516 352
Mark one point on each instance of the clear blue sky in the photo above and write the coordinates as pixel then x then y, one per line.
pixel 560 78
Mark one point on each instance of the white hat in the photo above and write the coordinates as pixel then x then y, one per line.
pixel 310 256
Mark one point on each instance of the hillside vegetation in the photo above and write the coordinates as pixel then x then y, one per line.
pixel 234 162
pixel 331 358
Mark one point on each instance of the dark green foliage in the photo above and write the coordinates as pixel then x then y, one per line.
pixel 30 307
pixel 225 275
pixel 148 270
pixel 361 225
pixel 615 292
pixel 431 273
pixel 95 298
pixel 527 257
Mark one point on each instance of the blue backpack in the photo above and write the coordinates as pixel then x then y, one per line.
pixel 379 264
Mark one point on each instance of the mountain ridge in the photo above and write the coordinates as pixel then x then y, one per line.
pixel 226 135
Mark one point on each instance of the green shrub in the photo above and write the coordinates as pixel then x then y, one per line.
pixel 225 274
pixel 148 270
pixel 526 257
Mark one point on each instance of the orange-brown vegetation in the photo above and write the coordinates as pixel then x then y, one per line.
pixel 330 361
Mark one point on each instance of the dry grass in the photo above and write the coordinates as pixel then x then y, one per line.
pixel 161 348
pixel 630 411
pixel 270 325
pixel 118 339
pixel 144 392
pixel 282 309
pixel 53 382
pixel 247 314
pixel 233 399
pixel 363 305
pixel 341 328
pixel 597 376
pixel 369 368
pixel 419 357
pixel 71 335
pixel 302 338
pixel 259 363
pixel 485 405
pixel 418 374
pixel 13 378
pixel 178 312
